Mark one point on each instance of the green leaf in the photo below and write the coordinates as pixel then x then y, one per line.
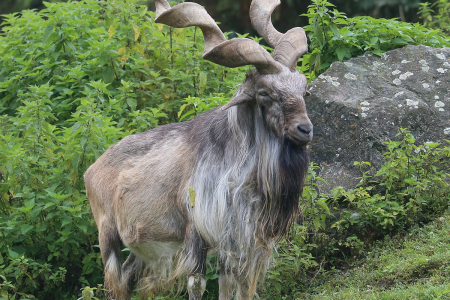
pixel 322 204
pixel 70 45
pixel 83 225
pixel 192 196
pixel 318 33
pixel 25 228
pixel 335 31
pixel 132 103
pixel 66 220
pixel 341 53
pixel 13 254
pixel 108 75
pixel 48 32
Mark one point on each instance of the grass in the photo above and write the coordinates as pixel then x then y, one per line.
pixel 413 266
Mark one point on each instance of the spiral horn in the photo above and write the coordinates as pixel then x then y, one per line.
pixel 219 50
pixel 288 47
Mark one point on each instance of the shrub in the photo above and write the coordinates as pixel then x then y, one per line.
pixel 334 37
pixel 436 15
pixel 70 86
pixel 412 187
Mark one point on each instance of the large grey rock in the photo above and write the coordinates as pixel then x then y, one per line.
pixel 358 104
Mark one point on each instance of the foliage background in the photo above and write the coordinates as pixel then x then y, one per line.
pixel 233 14
pixel 72 85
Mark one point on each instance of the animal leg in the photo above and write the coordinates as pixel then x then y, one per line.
pixel 109 242
pixel 246 286
pixel 132 270
pixel 226 284
pixel 196 250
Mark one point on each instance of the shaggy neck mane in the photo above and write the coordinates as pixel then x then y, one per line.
pixel 255 180
pixel 279 168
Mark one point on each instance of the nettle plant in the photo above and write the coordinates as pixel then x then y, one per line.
pixel 70 86
pixel 436 15
pixel 334 37
pixel 411 187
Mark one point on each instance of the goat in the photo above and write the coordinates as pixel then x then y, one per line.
pixel 245 162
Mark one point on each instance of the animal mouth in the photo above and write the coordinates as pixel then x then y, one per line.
pixel 300 139
pixel 300 135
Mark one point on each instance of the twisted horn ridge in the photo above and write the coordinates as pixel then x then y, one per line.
pixel 261 17
pixel 289 47
pixel 219 50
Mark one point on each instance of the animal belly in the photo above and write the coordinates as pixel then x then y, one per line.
pixel 157 253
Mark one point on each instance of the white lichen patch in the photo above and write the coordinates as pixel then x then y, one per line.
pixel 363 115
pixel 405 61
pixel 396 72
pixel 438 81
pixel 436 97
pixel 424 64
pixel 400 105
pixel 384 56
pixel 439 104
pixel 425 85
pixel 442 70
pixel 350 76
pixel 397 81
pixel 412 103
pixel 376 64
pixel 365 103
pixel 440 55
pixel 398 94
pixel 329 79
pixel 405 75
pixel 348 64
pixel 364 108
pixel 441 109
pixel 447 130
pixel 446 64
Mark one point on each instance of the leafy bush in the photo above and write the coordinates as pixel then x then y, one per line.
pixel 334 37
pixel 411 187
pixel 70 86
pixel 436 19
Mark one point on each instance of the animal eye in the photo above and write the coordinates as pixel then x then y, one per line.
pixel 263 93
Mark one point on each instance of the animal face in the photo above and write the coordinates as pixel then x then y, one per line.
pixel 280 102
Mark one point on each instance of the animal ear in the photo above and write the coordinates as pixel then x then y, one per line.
pixel 239 98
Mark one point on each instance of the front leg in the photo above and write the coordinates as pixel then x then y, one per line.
pixel 195 251
pixel 196 286
pixel 226 284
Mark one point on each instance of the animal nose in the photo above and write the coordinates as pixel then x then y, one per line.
pixel 305 128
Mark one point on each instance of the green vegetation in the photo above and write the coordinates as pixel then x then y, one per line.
pixel 411 266
pixel 412 187
pixel 70 86
pixel 335 37
pixel 436 15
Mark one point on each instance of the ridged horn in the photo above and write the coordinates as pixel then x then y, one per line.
pixel 261 17
pixel 219 50
pixel 289 47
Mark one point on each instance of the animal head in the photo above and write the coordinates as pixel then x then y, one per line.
pixel 275 87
